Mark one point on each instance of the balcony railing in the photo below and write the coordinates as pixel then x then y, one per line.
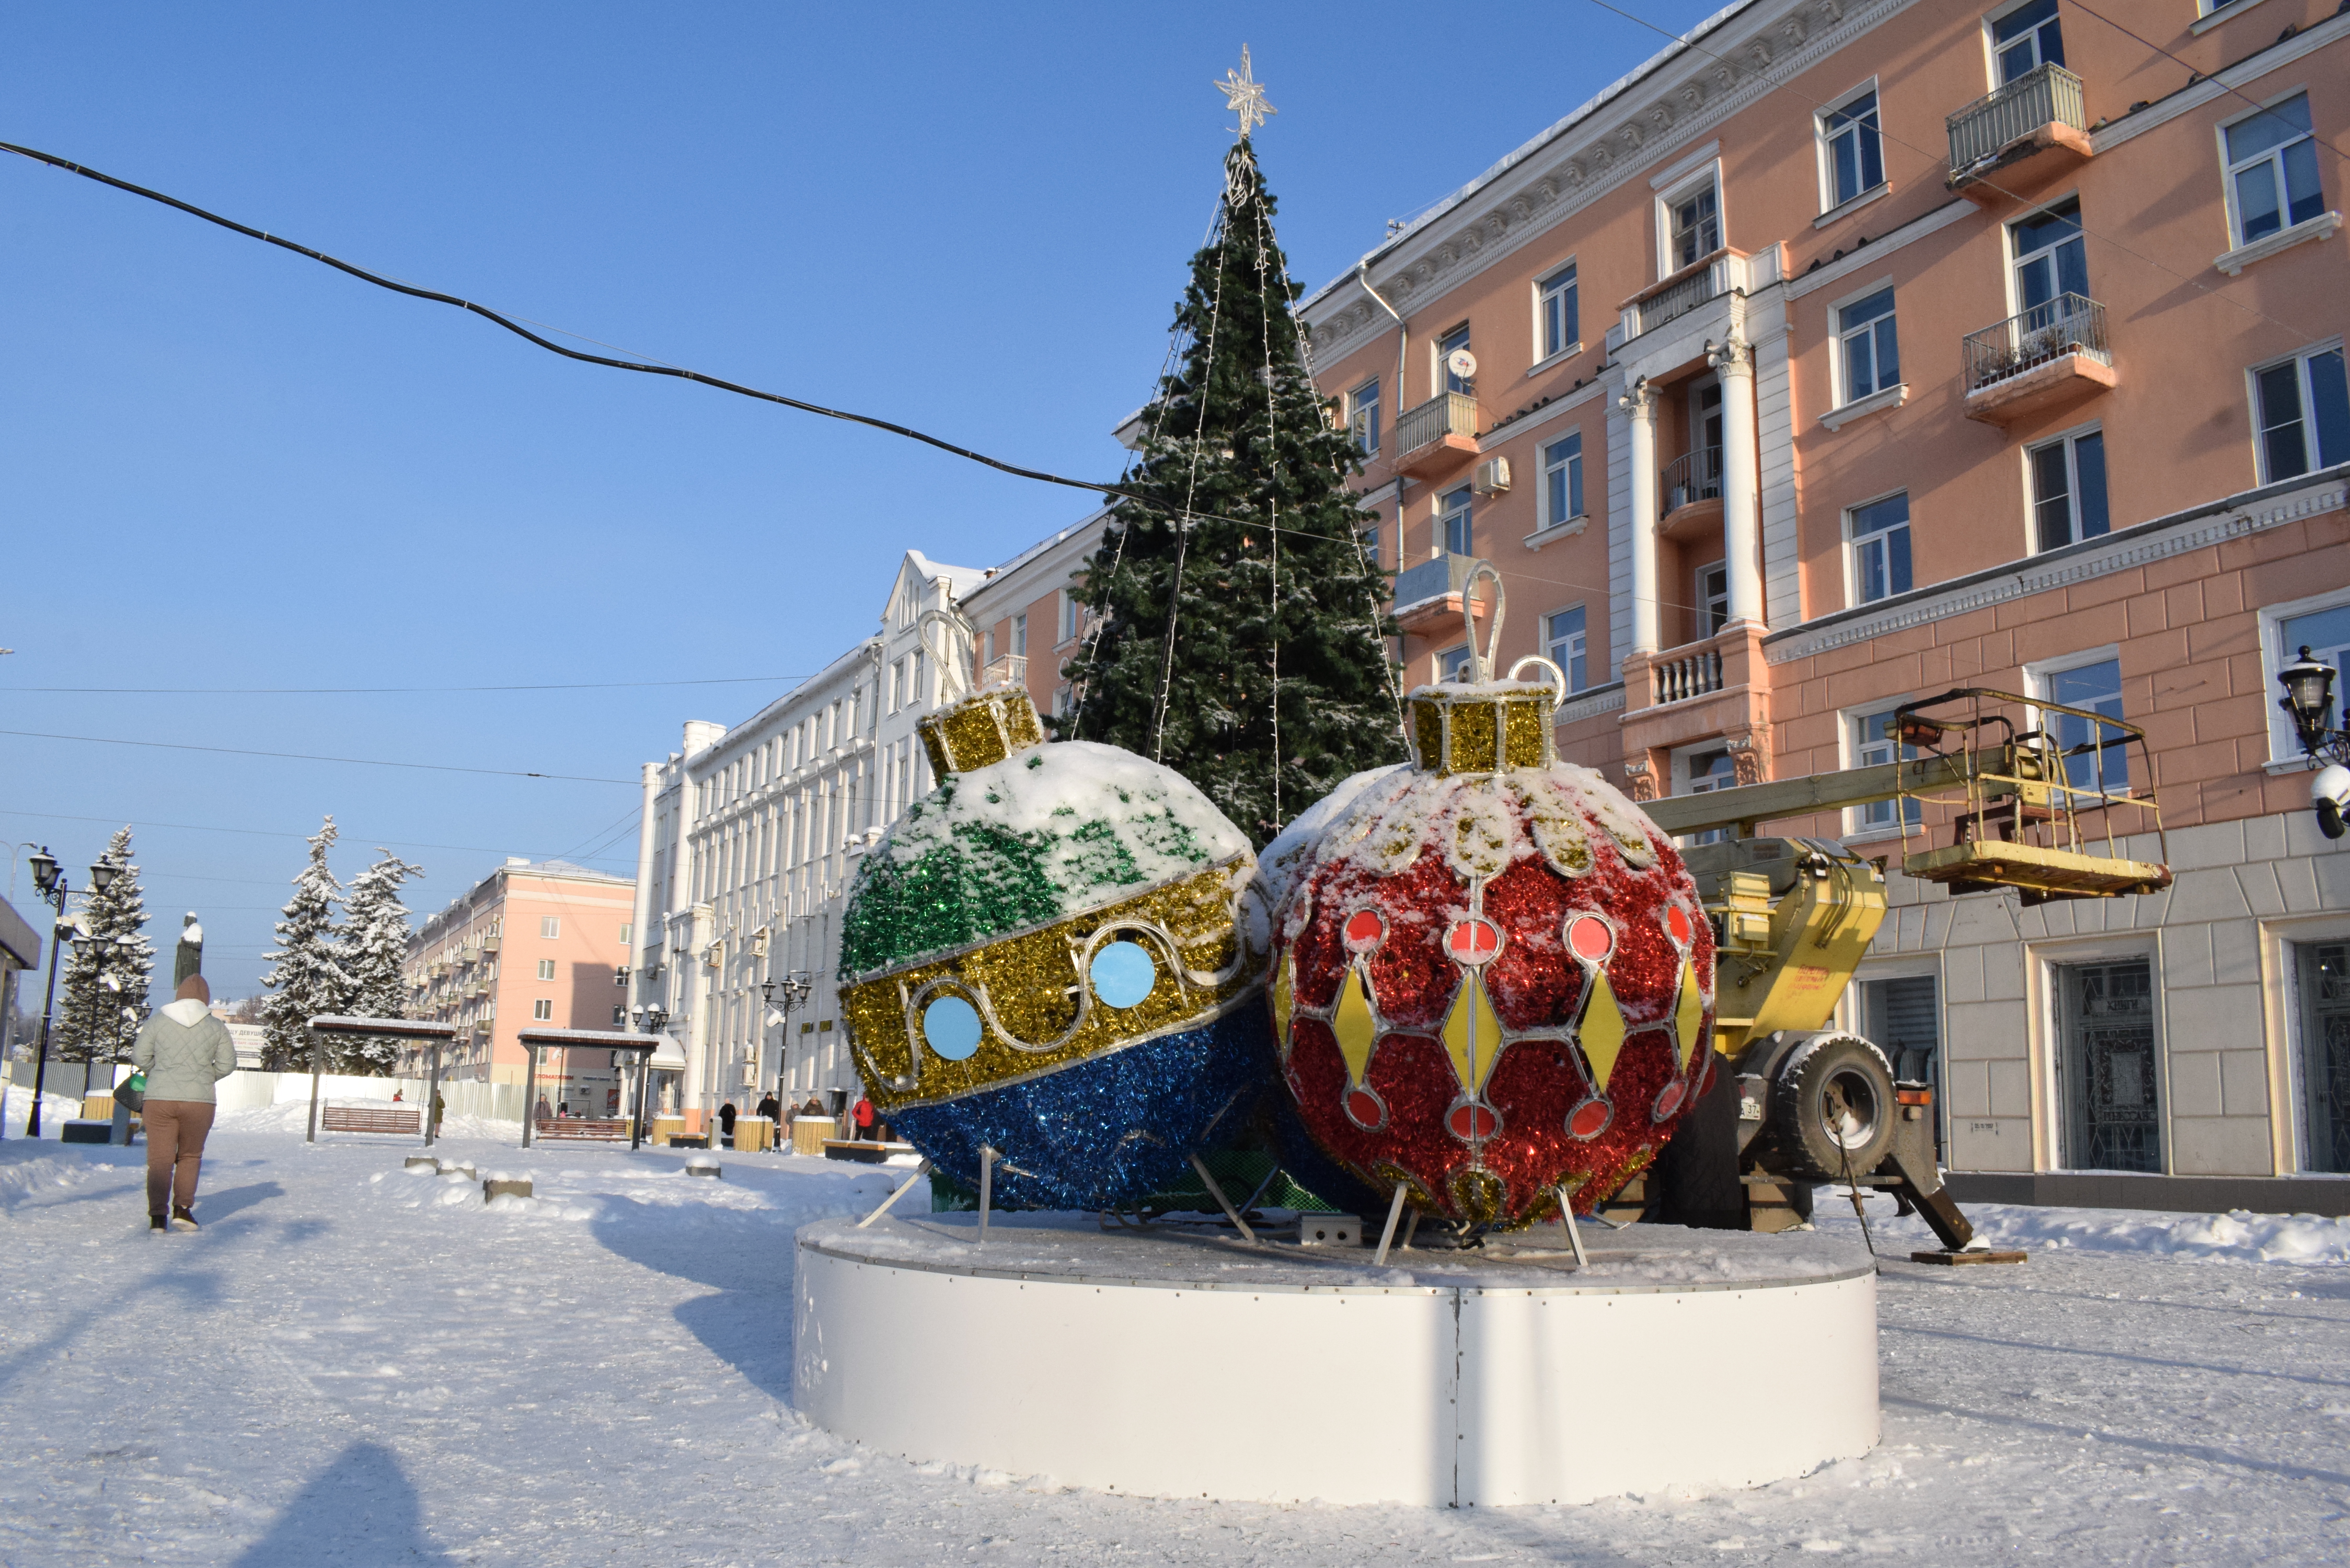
pixel 1433 578
pixel 1445 414
pixel 1710 279
pixel 1683 676
pixel 2050 94
pixel 2068 324
pixel 1694 476
pixel 1011 670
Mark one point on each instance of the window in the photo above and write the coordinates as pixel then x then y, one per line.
pixel 1853 148
pixel 1562 480
pixel 1460 538
pixel 1019 637
pixel 620 977
pixel 1712 598
pixel 1696 226
pixel 628 933
pixel 1703 770
pixel 1369 540
pixel 1070 614
pixel 1456 339
pixel 1880 549
pixel 1873 745
pixel 1871 351
pixel 546 968
pixel 1563 644
pixel 2304 409
pixel 542 1010
pixel 896 684
pixel 1557 311
pixel 2104 764
pixel 1453 664
pixel 2326 633
pixel 2272 170
pixel 619 1015
pixel 2068 489
pixel 2026 38
pixel 2051 261
pixel 550 926
pixel 1363 417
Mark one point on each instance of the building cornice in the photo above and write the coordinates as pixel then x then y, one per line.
pixel 2196 528
pixel 1645 121
pixel 2222 82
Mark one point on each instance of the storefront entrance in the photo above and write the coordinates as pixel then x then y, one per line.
pixel 2325 1053
pixel 2106 1067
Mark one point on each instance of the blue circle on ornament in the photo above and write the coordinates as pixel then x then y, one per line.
pixel 950 1025
pixel 1123 973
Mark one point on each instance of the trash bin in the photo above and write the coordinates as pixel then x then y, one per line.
pixel 808 1134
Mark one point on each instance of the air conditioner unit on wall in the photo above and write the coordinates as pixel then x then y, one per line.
pixel 1493 476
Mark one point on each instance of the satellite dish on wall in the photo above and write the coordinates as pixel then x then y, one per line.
pixel 1460 363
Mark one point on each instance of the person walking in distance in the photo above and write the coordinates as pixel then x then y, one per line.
pixel 184 1051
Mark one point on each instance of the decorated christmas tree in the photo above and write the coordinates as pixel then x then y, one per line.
pixel 373 943
pixel 308 977
pixel 105 985
pixel 1236 632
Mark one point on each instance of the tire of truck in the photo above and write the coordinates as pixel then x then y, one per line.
pixel 1832 1108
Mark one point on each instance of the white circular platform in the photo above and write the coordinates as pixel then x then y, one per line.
pixel 1179 1363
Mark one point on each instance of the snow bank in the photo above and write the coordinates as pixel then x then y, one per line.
pixel 55 1111
pixel 2237 1236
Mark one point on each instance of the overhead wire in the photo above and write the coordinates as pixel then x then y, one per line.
pixel 260 832
pixel 2193 74
pixel 307 757
pixel 381 691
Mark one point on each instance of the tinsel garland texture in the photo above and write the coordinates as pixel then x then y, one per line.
pixel 987 907
pixel 1490 987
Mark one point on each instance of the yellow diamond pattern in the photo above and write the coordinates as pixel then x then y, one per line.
pixel 1602 1034
pixel 1356 1030
pixel 1472 1036
pixel 1688 1017
pixel 1284 1002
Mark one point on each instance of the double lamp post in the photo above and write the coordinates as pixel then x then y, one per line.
pixel 49 881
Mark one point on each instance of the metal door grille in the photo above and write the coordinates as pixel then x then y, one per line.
pixel 2325 1054
pixel 2114 1119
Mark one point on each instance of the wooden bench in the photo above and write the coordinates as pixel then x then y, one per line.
pixel 370 1120
pixel 589 1129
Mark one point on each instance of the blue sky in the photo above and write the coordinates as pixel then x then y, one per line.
pixel 231 468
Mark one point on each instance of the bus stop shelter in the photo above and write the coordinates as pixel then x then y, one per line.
pixel 619 1042
pixel 350 1027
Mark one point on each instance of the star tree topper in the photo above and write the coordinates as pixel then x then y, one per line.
pixel 1244 94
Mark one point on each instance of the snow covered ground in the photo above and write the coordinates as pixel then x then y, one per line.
pixel 352 1364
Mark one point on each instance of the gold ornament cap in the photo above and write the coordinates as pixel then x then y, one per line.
pixel 1486 728
pixel 978 730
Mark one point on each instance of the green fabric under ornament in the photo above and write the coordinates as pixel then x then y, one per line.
pixel 1046 833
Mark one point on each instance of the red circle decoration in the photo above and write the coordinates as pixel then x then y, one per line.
pixel 1534 935
pixel 1588 936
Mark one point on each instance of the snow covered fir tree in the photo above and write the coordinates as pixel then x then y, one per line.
pixel 105 981
pixel 307 976
pixel 373 940
pixel 1238 629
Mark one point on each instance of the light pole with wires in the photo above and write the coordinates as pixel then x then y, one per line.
pixel 49 881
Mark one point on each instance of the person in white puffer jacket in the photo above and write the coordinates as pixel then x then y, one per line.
pixel 184 1051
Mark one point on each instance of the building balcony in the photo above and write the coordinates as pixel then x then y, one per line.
pixel 1011 670
pixel 2049 358
pixel 1438 437
pixel 489 944
pixel 1707 278
pixel 1678 674
pixel 1427 596
pixel 1714 687
pixel 1688 495
pixel 2027 133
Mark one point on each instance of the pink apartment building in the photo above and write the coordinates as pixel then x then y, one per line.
pixel 1851 350
pixel 541 944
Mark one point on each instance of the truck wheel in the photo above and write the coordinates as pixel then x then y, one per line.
pixel 1832 1108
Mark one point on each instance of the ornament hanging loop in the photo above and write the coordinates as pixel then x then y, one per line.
pixel 1480 659
pixel 1544 666
pixel 954 664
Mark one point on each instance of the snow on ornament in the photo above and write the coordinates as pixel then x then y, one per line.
pixel 1056 954
pixel 1493 980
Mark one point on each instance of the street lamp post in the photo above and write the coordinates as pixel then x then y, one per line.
pixel 50 885
pixel 649 1021
pixel 785 995
pixel 2308 700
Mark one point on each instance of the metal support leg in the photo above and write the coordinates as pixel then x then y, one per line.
pixel 986 1189
pixel 529 1093
pixel 317 1065
pixel 1387 1236
pixel 1566 1217
pixel 433 1101
pixel 921 1171
pixel 1222 1202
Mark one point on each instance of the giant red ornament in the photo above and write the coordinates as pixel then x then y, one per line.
pixel 1493 978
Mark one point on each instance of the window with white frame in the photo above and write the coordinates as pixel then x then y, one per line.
pixel 2272 181
pixel 1564 644
pixel 1559 327
pixel 542 1010
pixel 2321 625
pixel 1019 637
pixel 1852 150
pixel 1454 523
pixel 2213 7
pixel 2301 410
pixel 1871 355
pixel 546 968
pixel 2095 755
pixel 1872 743
pixel 1562 480
pixel 1694 224
pixel 1453 664
pixel 1363 417
pixel 550 926
pixel 1061 702
pixel 2051 261
pixel 1712 598
pixel 628 932
pixel 1880 548
pixel 2068 489
pixel 2025 38
pixel 1701 770
pixel 1070 613
pixel 1369 540
pixel 1445 379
